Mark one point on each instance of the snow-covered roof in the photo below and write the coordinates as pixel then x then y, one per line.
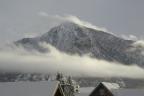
pixel 117 91
pixel 128 92
pixel 111 86
pixel 42 88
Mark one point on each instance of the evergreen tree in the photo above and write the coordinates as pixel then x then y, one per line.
pixel 58 77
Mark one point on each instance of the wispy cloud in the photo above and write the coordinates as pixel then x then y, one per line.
pixel 83 23
pixel 129 37
pixel 74 19
pixel 42 13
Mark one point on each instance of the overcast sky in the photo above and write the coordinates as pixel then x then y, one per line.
pixel 19 18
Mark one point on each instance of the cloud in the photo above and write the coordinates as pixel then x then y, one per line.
pixel 139 43
pixel 84 23
pixel 43 14
pixel 55 61
pixel 73 19
pixel 129 37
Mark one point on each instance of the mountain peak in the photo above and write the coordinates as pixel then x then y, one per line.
pixel 67 27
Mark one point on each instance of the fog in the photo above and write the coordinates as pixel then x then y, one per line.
pixel 18 59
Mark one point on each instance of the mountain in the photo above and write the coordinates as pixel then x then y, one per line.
pixel 72 38
pixel 76 39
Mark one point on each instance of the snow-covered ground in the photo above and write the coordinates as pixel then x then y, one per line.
pixel 43 88
pixel 85 91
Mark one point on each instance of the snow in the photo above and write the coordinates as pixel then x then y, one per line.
pixel 43 88
pixel 128 92
pixel 85 91
pixel 111 86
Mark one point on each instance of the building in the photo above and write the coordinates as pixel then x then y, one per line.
pixel 113 89
pixel 104 89
pixel 42 88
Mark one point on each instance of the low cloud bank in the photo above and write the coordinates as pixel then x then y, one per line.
pixel 18 59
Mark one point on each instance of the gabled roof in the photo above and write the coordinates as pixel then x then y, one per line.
pixel 42 88
pixel 111 86
pixel 115 89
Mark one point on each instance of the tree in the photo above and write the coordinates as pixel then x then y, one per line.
pixel 58 76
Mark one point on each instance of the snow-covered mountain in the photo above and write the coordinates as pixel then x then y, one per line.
pixel 77 39
pixel 72 38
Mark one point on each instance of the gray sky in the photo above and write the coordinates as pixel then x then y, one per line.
pixel 19 18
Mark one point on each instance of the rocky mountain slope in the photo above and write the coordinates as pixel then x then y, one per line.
pixel 76 39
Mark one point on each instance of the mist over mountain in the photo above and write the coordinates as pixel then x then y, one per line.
pixel 73 38
pixel 69 46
